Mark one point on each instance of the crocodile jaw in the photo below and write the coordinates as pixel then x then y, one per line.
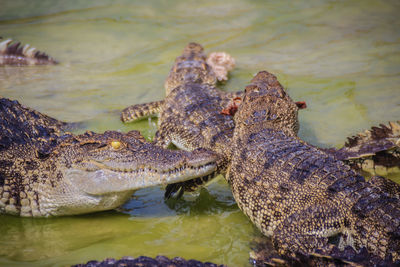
pixel 106 181
pixel 85 191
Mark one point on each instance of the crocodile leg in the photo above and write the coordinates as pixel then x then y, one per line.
pixel 141 111
pixel 310 232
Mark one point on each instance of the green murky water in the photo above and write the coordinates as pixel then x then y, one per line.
pixel 342 57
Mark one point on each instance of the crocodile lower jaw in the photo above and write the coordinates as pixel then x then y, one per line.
pixel 106 180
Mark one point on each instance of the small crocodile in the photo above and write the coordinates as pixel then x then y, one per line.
pixel 12 53
pixel 190 115
pixel 300 195
pixel 45 171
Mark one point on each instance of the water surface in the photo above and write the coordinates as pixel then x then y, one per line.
pixel 341 57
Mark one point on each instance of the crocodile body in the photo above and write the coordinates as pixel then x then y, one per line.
pixel 12 53
pixel 45 171
pixel 298 194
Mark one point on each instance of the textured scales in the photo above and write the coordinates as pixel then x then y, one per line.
pixel 47 172
pixel 141 111
pixel 196 114
pixel 190 115
pixel 143 261
pixel 298 194
pixel 12 53
pixel 376 150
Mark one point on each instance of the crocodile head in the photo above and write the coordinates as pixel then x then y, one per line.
pixel 94 172
pixel 267 105
pixel 190 67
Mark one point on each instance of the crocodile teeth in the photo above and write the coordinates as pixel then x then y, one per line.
pixel 4 45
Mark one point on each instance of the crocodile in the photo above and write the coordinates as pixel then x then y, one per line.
pixel 296 193
pixel 48 171
pixel 13 53
pixel 190 115
pixel 144 261
pixel 197 114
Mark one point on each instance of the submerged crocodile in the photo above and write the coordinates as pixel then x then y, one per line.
pixel 143 261
pixel 45 171
pixel 12 53
pixel 301 196
pixel 196 114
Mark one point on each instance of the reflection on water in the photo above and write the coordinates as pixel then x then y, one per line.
pixel 341 57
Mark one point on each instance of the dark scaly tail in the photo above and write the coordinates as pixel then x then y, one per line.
pixel 13 53
pixel 372 150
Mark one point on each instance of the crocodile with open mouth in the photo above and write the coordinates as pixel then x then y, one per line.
pixel 46 171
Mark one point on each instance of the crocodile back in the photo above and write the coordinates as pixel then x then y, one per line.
pixel 275 177
pixel 192 118
pixel 22 125
pixel 190 67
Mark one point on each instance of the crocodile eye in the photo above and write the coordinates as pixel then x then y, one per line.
pixel 116 144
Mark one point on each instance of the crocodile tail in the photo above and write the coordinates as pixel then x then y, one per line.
pixel 377 217
pixel 13 53
pixel 377 149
